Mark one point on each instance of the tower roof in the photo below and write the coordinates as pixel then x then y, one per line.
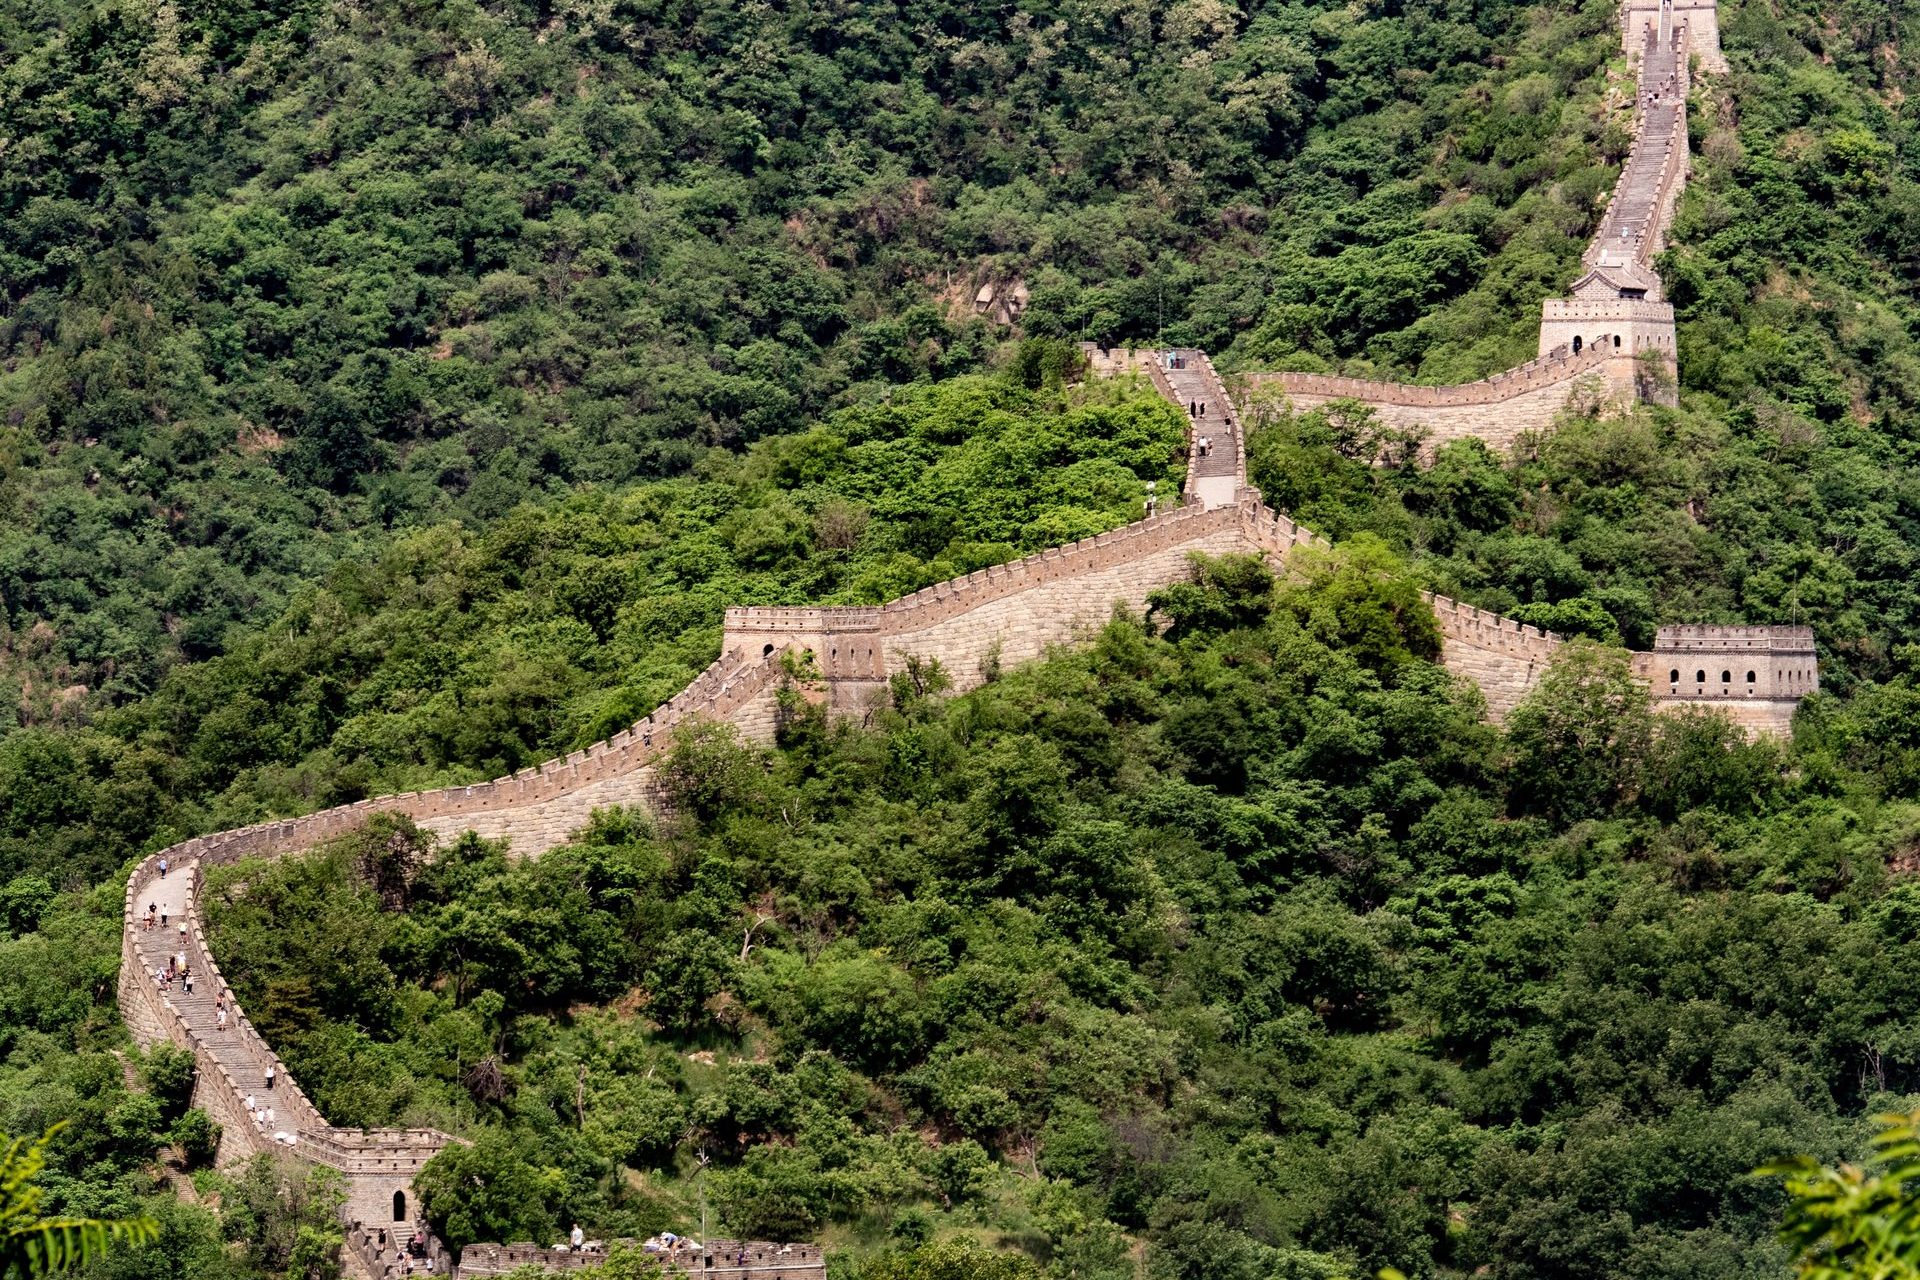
pixel 1702 638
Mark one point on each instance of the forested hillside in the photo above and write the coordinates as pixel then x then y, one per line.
pixel 393 394
pixel 278 278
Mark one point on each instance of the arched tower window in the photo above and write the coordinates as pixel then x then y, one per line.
pixel 1616 341
pixel 1576 344
pixel 1673 676
pixel 1750 677
pixel 767 652
pixel 1726 677
pixel 399 1206
pixel 1699 677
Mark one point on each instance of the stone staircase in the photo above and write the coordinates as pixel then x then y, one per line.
pixel 1630 234
pixel 1213 477
pixel 237 1049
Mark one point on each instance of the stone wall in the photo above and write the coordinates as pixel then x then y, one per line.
pixel 1616 327
pixel 1621 347
pixel 535 809
pixel 378 1254
pixel 1756 675
pixel 1013 611
pixel 1504 658
pixel 718 1260
pixel 1497 410
pixel 1008 614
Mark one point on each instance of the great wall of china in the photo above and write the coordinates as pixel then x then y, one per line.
pixel 1612 338
pixel 1003 615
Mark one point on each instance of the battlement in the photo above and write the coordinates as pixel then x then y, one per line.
pixel 1627 310
pixel 1497 411
pixel 1491 630
pixel 1548 370
pixel 718 1259
pixel 1704 663
pixel 1704 638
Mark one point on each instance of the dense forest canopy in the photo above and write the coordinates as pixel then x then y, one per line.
pixel 395 393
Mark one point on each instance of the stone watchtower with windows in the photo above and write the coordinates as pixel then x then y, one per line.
pixel 1755 674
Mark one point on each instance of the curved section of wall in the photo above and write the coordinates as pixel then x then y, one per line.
pixel 535 808
pixel 1006 614
pixel 1497 411
pixel 719 1259
pixel 1608 336
pixel 1545 372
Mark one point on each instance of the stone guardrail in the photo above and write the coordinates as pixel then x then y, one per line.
pixel 1545 371
pixel 716 1259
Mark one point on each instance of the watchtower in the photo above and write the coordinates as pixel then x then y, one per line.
pixel 1636 334
pixel 1697 20
pixel 1758 674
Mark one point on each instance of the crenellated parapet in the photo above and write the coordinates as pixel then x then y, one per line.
pixel 1755 675
pixel 709 1260
pixel 1551 369
pixel 1496 410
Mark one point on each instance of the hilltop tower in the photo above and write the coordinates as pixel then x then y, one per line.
pixel 1612 335
pixel 1697 20
pixel 1755 675
pixel 1617 304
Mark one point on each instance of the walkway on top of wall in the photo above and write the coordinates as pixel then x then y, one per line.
pixel 1214 476
pixel 1630 233
pixel 237 1058
pixel 234 1047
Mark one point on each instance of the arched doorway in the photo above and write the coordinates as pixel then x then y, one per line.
pixel 400 1206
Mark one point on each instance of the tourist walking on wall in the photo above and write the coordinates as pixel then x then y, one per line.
pixel 269 1079
pixel 163 868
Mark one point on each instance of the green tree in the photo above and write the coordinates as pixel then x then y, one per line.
pixel 1580 739
pixel 1360 598
pixel 490 1190
pixel 285 1213
pixel 34 1244
pixel 1857 1222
